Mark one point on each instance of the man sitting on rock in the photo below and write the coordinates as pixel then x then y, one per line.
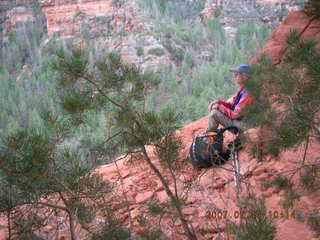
pixel 227 113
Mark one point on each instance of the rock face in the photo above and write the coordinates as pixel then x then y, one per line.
pixel 18 15
pixel 13 13
pixel 305 26
pixel 21 14
pixel 114 24
pixel 212 189
pixel 269 10
pixel 66 17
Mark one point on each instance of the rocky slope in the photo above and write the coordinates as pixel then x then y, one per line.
pixel 213 189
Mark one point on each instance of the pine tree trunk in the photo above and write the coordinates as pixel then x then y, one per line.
pixel 72 226
pixel 9 224
pixel 184 222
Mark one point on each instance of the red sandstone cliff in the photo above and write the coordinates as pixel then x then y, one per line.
pixel 119 25
pixel 17 15
pixel 63 16
pixel 14 12
pixel 306 27
pixel 114 24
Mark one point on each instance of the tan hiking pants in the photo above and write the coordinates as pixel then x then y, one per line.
pixel 216 117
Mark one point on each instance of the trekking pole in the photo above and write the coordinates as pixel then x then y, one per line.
pixel 237 180
pixel 236 166
pixel 234 157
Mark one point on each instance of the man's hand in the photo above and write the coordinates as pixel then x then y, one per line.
pixel 213 105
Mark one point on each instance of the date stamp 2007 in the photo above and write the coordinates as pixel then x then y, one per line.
pixel 243 214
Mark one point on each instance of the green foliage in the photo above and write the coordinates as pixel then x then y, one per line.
pixel 25 226
pixel 112 230
pixel 265 184
pixel 176 11
pixel 309 178
pixel 26 158
pixel 22 98
pixel 22 47
pixel 155 208
pixel 257 225
pixel 157 51
pixel 194 108
pixel 168 147
pixel 176 53
pixel 34 165
pixel 188 62
pixel 313 220
pixel 294 87
pixel 108 80
pixel 30 160
pixel 313 8
pixel 35 6
pixel 10 196
pixel 200 78
pixel 177 202
pixel 216 32
pixel 290 194
pixel 139 50
pixel 281 182
pixel 156 234
pixel 87 88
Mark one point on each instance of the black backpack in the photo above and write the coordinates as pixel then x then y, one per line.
pixel 207 150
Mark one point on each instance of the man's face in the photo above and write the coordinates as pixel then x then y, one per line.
pixel 240 77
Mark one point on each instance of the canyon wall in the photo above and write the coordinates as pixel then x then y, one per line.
pixel 16 13
pixel 65 17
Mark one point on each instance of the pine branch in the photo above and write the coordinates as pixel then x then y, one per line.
pixel 190 234
pixel 53 206
pixel 102 93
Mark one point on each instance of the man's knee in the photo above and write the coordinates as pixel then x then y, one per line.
pixel 241 125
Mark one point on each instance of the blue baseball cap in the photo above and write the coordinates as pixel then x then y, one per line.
pixel 243 68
